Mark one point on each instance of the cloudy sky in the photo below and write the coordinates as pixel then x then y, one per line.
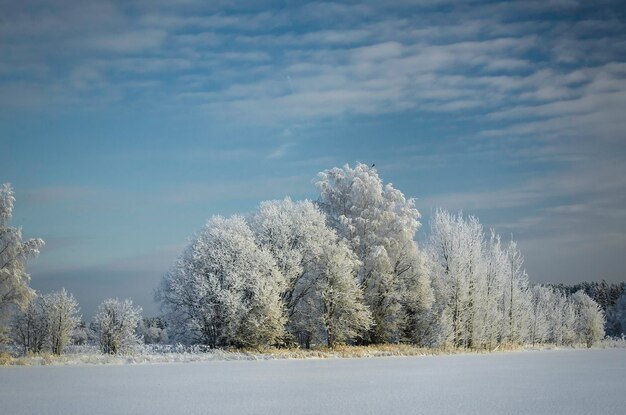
pixel 124 125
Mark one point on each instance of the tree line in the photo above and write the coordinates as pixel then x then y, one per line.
pixel 345 268
pixel 610 297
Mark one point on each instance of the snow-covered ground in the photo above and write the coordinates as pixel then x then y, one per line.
pixel 531 382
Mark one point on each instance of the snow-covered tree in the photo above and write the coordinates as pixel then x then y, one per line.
pixel 418 299
pixel 589 319
pixel 295 234
pixel 14 252
pixel 116 325
pixel 456 248
pixel 30 328
pixel 340 299
pixel 516 297
pixel 495 263
pixel 481 289
pixel 154 335
pixel 475 324
pixel 543 300
pixel 153 331
pixel 380 224
pixel 224 290
pixel 62 312
pixel 566 327
pixel 444 247
pixel 318 269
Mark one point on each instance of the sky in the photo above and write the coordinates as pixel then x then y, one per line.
pixel 124 125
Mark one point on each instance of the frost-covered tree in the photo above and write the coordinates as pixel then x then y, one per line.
pixel 62 312
pixel 589 319
pixel 339 298
pixel 224 290
pixel 116 325
pixel 418 300
pixel 481 289
pixel 153 331
pixel 319 272
pixel 565 325
pixel 457 247
pixel 495 263
pixel 516 297
pixel 380 224
pixel 543 300
pixel 154 335
pixel 475 324
pixel 444 247
pixel 14 252
pixel 30 328
pixel 296 235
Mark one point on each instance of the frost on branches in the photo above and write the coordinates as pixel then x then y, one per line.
pixel 46 324
pixel 321 296
pixel 343 269
pixel 62 313
pixel 14 252
pixel 347 269
pixel 225 289
pixel 483 295
pixel 380 225
pixel 116 326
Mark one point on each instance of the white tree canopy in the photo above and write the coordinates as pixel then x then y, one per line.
pixel 14 252
pixel 224 290
pixel 321 294
pixel 380 224
pixel 347 269
pixel 116 325
pixel 62 313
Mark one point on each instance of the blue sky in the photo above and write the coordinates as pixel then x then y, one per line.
pixel 125 125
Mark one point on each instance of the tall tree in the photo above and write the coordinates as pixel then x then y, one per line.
pixel 495 263
pixel 457 247
pixel 14 252
pixel 516 298
pixel 380 224
pixel 338 298
pixel 589 319
pixel 542 307
pixel 319 271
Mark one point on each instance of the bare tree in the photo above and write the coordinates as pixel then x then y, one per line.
pixel 30 328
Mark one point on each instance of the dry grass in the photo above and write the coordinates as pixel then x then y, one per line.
pixel 146 355
pixel 376 350
pixel 5 359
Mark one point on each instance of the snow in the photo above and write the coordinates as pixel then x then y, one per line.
pixel 531 382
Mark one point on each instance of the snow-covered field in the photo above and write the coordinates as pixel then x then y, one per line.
pixel 531 382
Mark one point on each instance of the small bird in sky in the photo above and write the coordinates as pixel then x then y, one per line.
pixel 373 165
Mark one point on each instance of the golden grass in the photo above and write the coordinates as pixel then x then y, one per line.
pixel 375 350
pixel 269 353
pixel 5 359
